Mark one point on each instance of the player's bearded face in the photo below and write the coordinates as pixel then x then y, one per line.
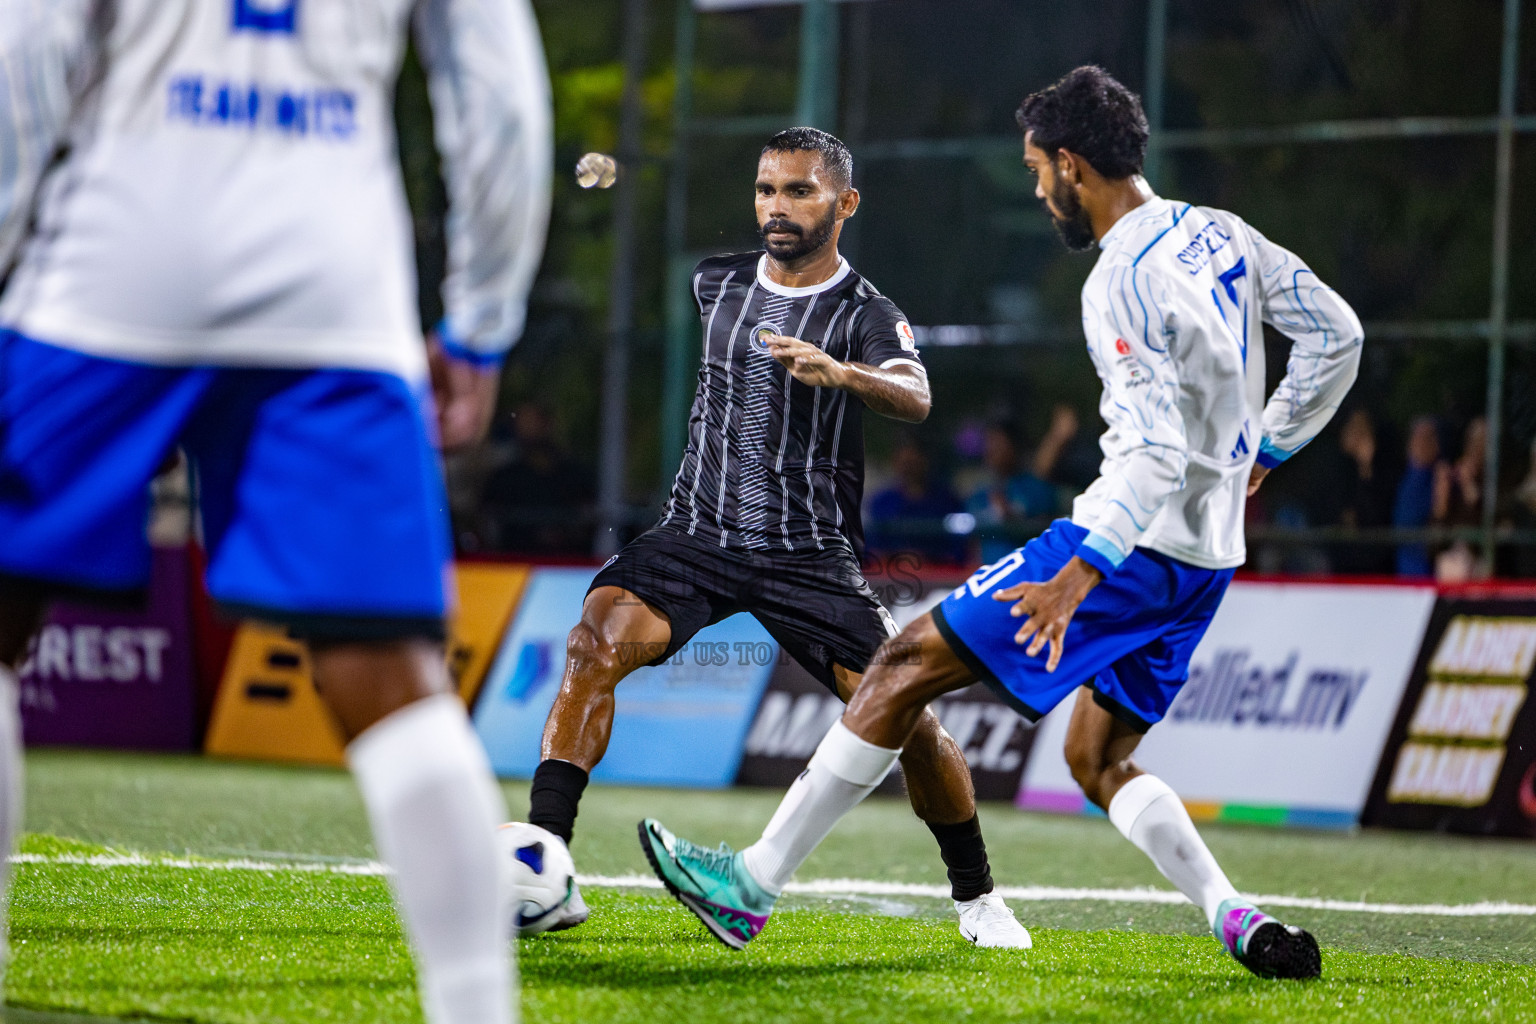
pixel 1069 218
pixel 804 241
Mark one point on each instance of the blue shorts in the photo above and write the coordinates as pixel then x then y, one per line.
pixel 320 493
pixel 1131 638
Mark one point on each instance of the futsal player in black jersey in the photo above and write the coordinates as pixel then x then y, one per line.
pixel 764 513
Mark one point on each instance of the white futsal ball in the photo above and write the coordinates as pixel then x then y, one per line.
pixel 543 875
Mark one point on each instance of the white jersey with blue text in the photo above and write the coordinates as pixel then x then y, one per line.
pixel 1174 313
pixel 215 182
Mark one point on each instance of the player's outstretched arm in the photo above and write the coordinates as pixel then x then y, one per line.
pixel 494 123
pixel 900 392
pixel 43 47
pixel 1326 342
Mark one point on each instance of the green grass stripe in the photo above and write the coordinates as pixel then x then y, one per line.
pixel 278 947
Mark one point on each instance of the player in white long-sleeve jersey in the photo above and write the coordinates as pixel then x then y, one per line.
pixel 205 246
pixel 1112 602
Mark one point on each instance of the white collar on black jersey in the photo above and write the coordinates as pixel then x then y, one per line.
pixel 843 270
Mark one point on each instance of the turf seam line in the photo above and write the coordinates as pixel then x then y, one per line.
pixel 815 887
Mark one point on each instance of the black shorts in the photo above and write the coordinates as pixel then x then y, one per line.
pixel 816 604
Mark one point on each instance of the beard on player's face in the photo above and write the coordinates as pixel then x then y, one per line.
pixel 804 241
pixel 1069 218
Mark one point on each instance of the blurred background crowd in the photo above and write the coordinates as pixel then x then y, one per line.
pixel 970 495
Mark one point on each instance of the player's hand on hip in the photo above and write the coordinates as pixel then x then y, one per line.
pixel 1049 608
pixel 1256 478
pixel 805 362
pixel 465 395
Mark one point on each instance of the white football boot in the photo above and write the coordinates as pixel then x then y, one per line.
pixel 989 922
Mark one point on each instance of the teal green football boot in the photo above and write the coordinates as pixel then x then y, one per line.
pixel 711 883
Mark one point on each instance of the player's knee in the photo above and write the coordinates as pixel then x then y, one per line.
pixel 1086 760
pixel 884 687
pixel 928 736
pixel 592 659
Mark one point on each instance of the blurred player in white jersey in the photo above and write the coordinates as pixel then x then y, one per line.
pixel 1112 602
pixel 205 245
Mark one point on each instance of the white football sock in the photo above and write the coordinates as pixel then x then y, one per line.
pixel 843 771
pixel 1150 814
pixel 11 777
pixel 434 807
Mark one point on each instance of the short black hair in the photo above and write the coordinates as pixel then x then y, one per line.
pixel 1091 114
pixel 834 155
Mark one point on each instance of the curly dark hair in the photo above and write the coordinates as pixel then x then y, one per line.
pixel 834 155
pixel 1091 114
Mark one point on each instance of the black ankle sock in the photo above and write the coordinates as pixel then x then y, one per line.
pixel 965 854
pixel 557 789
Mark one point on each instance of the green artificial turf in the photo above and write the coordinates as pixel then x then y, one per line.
pixel 288 946
pixel 271 946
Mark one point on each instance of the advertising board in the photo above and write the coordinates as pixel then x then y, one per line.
pixel 103 677
pixel 677 724
pixel 269 710
pixel 1461 756
pixel 797 711
pixel 1290 698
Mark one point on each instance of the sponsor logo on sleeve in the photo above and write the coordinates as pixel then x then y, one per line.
pixel 908 339
pixel 1137 374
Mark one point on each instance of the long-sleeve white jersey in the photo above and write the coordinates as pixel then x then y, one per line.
pixel 1174 313
pixel 216 182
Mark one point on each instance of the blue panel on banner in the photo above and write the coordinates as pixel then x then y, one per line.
pixel 678 724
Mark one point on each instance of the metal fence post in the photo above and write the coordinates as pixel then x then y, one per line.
pixel 816 102
pixel 680 318
pixel 614 464
pixel 1498 302
pixel 1157 69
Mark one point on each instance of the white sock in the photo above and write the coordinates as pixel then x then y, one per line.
pixel 11 788
pixel 434 807
pixel 843 771
pixel 1150 814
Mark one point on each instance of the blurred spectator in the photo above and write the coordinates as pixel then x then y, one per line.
pixel 1415 504
pixel 1522 516
pixel 1458 499
pixel 1364 496
pixel 915 514
pixel 1009 494
pixel 539 503
pixel 1067 457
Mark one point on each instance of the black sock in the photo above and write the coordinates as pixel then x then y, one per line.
pixel 965 854
pixel 557 789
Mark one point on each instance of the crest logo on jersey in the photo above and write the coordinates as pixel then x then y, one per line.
pixel 278 17
pixel 1122 347
pixel 760 335
pixel 908 339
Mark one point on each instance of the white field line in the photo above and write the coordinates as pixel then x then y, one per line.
pixel 815 887
pixel 1053 893
pixel 134 860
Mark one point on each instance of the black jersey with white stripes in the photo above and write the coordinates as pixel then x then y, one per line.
pixel 771 463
